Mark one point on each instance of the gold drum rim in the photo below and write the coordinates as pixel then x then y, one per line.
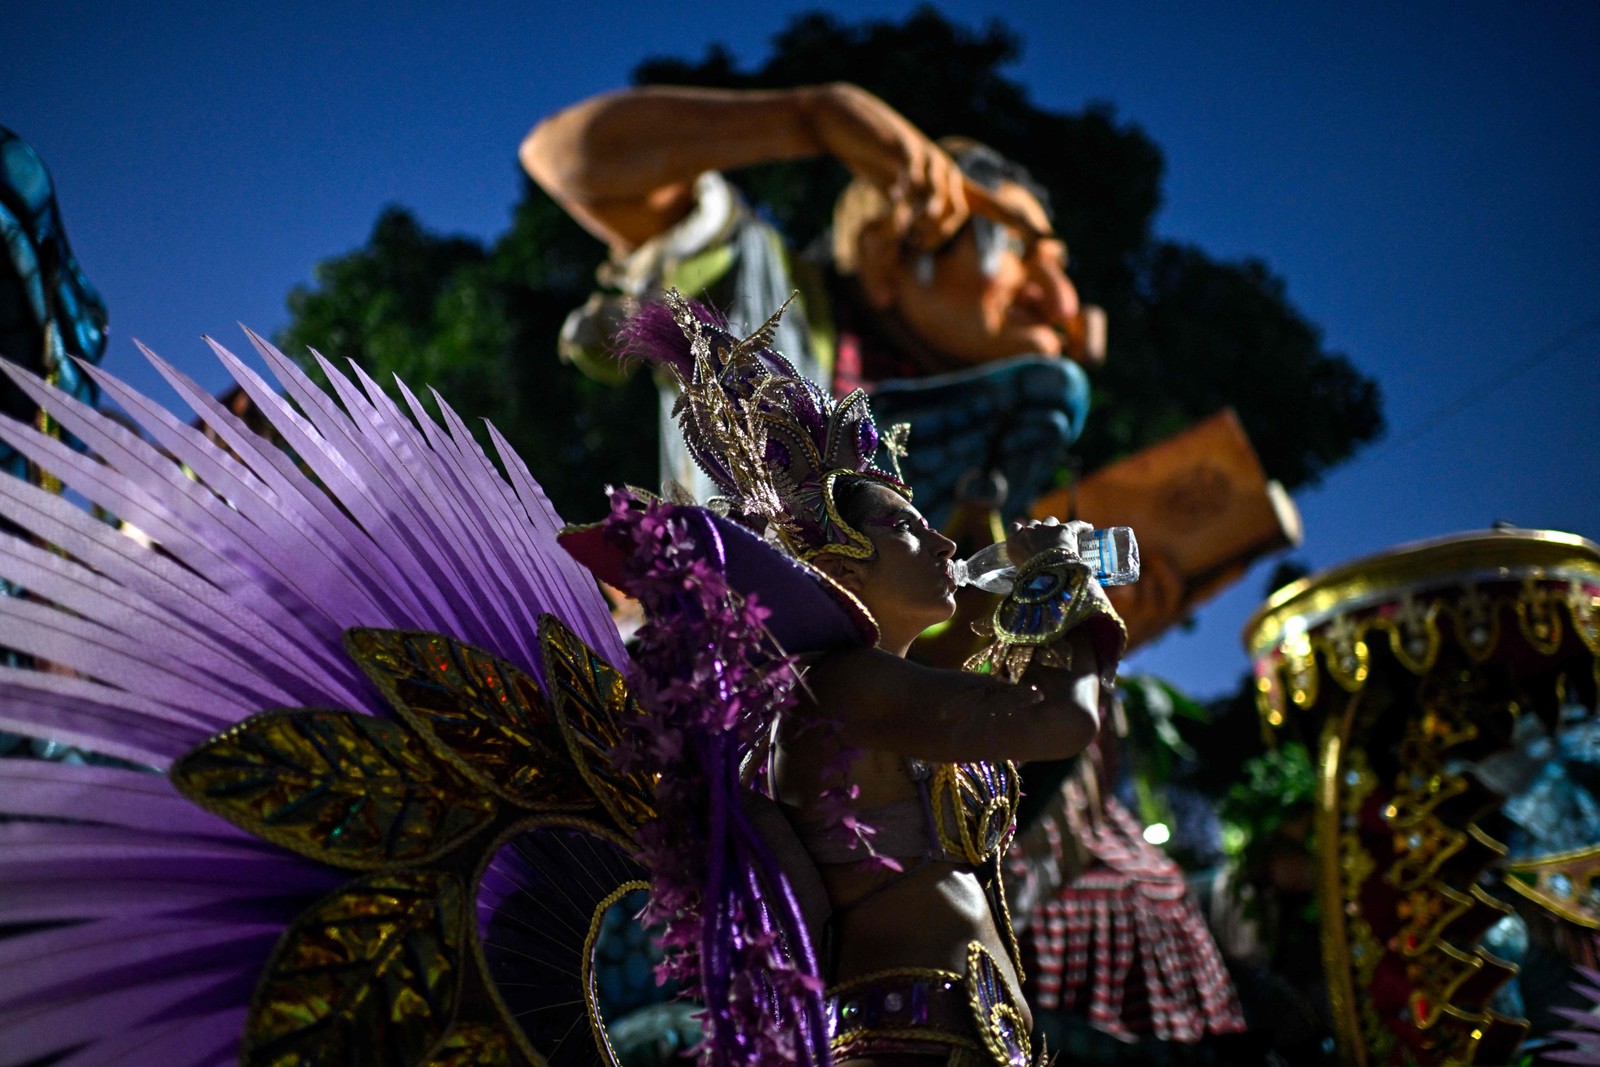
pixel 1444 562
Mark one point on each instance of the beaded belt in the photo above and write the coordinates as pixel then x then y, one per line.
pixel 921 1010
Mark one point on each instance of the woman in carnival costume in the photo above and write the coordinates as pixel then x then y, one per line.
pixel 387 763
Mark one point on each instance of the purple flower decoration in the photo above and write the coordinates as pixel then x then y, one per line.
pixel 708 687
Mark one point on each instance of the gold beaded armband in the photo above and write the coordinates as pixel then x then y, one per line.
pixel 1053 593
pixel 1047 599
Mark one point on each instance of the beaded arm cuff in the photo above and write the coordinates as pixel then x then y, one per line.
pixel 1046 600
pixel 1054 593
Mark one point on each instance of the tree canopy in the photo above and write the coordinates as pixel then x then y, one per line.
pixel 478 324
pixel 1189 334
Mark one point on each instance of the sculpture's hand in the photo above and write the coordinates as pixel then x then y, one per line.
pixel 925 187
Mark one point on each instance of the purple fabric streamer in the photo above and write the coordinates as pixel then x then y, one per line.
pixel 576 586
pixel 479 536
pixel 33 1033
pixel 76 898
pixel 273 513
pixel 708 688
pixel 335 473
pixel 77 960
pixel 303 504
pixel 77 589
pixel 92 716
pixel 95 651
pixel 229 619
pixel 110 796
pixel 333 449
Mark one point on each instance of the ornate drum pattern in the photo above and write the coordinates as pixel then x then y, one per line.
pixel 1442 678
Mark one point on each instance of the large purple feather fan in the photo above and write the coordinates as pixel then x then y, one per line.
pixel 1582 1039
pixel 155 917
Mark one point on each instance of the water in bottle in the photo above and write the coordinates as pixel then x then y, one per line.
pixel 1112 553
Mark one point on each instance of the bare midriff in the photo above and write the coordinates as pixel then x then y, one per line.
pixel 924 918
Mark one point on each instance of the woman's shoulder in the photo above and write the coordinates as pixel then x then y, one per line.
pixel 831 679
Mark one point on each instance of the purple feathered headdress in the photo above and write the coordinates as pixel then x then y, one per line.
pixel 773 441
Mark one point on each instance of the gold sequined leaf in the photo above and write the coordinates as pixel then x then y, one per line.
pixel 351 790
pixel 479 713
pixel 477 1045
pixel 369 975
pixel 592 705
pixel 763 337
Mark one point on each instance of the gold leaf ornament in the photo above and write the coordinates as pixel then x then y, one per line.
pixel 367 977
pixel 593 706
pixel 487 719
pixel 475 1045
pixel 350 790
pixel 390 969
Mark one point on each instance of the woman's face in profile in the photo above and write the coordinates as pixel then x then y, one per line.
pixel 907 585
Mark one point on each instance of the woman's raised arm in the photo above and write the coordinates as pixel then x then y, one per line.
pixel 890 704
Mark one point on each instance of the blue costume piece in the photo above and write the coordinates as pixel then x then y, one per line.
pixel 1016 416
pixel 48 309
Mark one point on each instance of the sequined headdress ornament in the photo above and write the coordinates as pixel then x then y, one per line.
pixel 774 443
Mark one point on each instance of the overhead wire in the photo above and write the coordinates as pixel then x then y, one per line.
pixel 1488 387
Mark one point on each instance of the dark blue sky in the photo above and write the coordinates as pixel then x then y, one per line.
pixel 1422 175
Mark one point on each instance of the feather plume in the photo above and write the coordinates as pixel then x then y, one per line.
pixel 169 912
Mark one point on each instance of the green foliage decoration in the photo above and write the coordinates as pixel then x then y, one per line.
pixel 478 323
pixel 1277 787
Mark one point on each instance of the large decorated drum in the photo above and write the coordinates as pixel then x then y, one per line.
pixel 1452 687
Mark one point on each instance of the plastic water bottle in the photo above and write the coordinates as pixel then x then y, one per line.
pixel 1113 555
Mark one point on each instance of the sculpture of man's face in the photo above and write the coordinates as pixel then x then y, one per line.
pixel 1019 303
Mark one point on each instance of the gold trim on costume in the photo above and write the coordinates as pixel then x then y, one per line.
pixel 994 1008
pixel 591 1002
pixel 990 1012
pixel 857 544
pixel 844 1037
pixel 740 405
pixel 1052 594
